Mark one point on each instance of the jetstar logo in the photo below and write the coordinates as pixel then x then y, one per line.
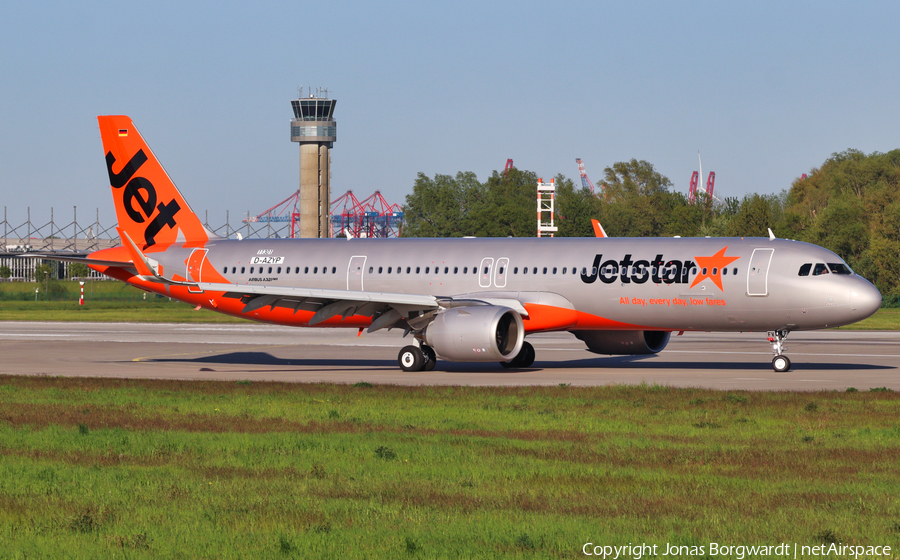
pixel 142 192
pixel 659 270
pixel 711 267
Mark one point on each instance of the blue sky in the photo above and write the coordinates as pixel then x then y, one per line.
pixel 765 90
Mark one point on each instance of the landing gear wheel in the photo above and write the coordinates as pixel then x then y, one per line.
pixel 411 359
pixel 430 358
pixel 523 359
pixel 781 364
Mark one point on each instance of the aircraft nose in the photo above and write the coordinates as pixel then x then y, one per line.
pixel 865 298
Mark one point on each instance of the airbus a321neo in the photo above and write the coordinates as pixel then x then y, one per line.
pixel 473 300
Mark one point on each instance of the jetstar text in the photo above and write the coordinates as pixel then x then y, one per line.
pixel 658 270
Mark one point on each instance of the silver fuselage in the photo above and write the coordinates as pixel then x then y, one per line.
pixel 646 283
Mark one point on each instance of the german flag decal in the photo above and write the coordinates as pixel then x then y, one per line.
pixel 123 132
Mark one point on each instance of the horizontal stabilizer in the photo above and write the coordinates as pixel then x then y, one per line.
pixel 83 260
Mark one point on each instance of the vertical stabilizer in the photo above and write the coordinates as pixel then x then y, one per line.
pixel 148 205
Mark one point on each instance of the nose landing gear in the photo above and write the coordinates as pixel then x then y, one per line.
pixel 780 362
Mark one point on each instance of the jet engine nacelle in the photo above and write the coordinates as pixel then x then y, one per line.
pixel 624 342
pixel 477 333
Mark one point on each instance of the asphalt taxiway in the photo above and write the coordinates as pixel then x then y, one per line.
pixel 831 359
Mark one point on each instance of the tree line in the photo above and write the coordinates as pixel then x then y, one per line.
pixel 850 205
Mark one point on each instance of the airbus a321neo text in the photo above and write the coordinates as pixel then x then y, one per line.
pixel 472 300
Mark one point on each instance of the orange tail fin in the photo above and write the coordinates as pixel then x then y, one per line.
pixel 148 205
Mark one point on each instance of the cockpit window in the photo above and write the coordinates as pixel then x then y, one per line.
pixel 839 268
pixel 820 269
pixel 804 270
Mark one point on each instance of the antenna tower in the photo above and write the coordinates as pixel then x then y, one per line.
pixel 546 193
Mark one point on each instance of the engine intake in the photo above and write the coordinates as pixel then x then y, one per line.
pixel 478 333
pixel 624 342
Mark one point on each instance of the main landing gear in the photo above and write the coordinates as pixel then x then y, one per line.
pixel 423 358
pixel 780 362
pixel 523 359
pixel 413 358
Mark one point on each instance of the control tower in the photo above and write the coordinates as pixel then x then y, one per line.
pixel 314 128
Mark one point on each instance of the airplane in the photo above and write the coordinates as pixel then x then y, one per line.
pixel 472 299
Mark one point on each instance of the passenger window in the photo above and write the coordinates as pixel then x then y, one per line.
pixel 455 270
pixel 820 269
pixel 427 268
pixel 371 269
pixel 725 271
pixel 501 270
pixel 715 270
pixel 315 270
pixel 525 270
pixel 306 270
pixel 446 269
pixel 242 270
pixel 251 270
pixel 407 270
pixel 379 270
pixel 734 271
pixel 516 270
pixel 389 269
pixel 804 269
pixel 333 269
pixel 418 269
pixel 564 270
pixel 465 270
pixel 279 270
pixel 535 270
pixel 554 270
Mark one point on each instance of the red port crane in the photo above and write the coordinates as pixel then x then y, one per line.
pixel 585 181
pixel 372 217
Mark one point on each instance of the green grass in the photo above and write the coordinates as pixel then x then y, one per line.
pixel 883 320
pixel 105 301
pixel 97 468
pixel 111 311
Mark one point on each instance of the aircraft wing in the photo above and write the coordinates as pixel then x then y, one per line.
pixel 387 308
pixel 414 311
